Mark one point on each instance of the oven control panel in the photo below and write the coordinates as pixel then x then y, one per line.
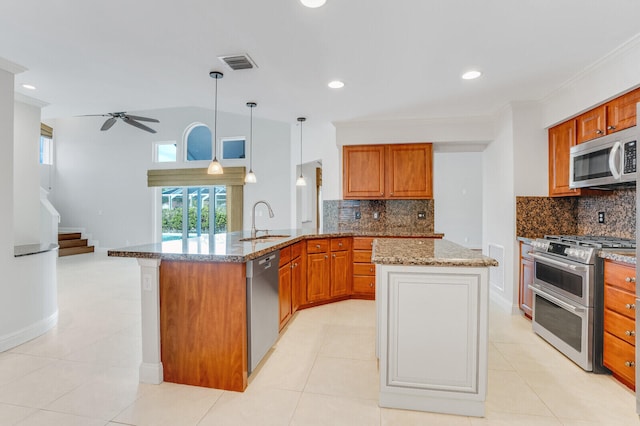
pixel 577 253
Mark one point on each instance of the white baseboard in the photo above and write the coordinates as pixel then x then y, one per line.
pixel 502 302
pixel 19 337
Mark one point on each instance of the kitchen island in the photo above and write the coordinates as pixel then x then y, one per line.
pixel 194 303
pixel 432 320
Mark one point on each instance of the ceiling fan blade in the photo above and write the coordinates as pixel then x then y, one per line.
pixel 108 124
pixel 138 118
pixel 129 120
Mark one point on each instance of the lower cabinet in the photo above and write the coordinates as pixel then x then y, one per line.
pixel 318 271
pixel 340 282
pixel 525 295
pixel 619 351
pixel 364 272
pixel 289 282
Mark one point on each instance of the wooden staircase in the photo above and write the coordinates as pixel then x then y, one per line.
pixel 72 243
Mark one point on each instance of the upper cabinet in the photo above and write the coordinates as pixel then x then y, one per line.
pixel 399 171
pixel 561 138
pixel 611 117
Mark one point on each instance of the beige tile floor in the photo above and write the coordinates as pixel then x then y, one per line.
pixel 322 372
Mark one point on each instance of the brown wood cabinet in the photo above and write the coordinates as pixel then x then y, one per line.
pixel 364 272
pixel 318 271
pixel 298 263
pixel 613 116
pixel 525 296
pixel 398 171
pixel 290 281
pixel 340 282
pixel 284 292
pixel 619 321
pixel 561 138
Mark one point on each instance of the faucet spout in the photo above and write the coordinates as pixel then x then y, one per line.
pixel 254 231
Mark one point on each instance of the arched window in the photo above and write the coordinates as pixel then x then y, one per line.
pixel 198 142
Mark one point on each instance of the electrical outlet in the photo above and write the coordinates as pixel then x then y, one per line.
pixel 422 215
pixel 600 217
pixel 358 215
pixel 376 215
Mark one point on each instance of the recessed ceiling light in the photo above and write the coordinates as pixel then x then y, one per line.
pixel 29 86
pixel 470 75
pixel 313 3
pixel 336 84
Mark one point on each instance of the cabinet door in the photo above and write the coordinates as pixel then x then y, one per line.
pixel 284 292
pixel 340 273
pixel 363 171
pixel 318 269
pixel 621 112
pixel 526 295
pixel 591 124
pixel 409 171
pixel 561 139
pixel 297 290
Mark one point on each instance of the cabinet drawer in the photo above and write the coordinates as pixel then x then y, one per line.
pixel 618 356
pixel 620 301
pixel 285 255
pixel 620 276
pixel 296 249
pixel 620 326
pixel 318 246
pixel 340 244
pixel 364 285
pixel 362 256
pixel 362 243
pixel 367 269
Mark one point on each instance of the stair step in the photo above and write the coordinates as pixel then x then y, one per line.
pixel 69 236
pixel 75 250
pixel 72 243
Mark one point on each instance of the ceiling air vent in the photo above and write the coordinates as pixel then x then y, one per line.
pixel 238 62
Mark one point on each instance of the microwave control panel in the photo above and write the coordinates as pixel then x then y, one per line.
pixel 629 157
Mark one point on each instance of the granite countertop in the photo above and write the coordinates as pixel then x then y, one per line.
pixel 29 249
pixel 427 252
pixel 624 256
pixel 228 247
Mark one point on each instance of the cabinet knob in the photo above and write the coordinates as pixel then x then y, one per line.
pixel 339 244
pixel 611 127
pixel 630 306
pixel 599 132
pixel 382 193
pixel 371 285
pixel 630 332
pixel 317 246
pixel 334 256
pixel 370 269
pixel 326 256
pixel 629 364
pixel 630 279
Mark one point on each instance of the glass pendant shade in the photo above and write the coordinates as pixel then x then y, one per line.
pixel 250 177
pixel 215 168
pixel 301 181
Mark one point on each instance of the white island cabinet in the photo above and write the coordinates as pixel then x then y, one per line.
pixel 432 305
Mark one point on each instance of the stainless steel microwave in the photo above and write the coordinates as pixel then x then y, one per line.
pixel 608 161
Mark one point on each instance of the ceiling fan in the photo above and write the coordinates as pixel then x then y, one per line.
pixel 132 120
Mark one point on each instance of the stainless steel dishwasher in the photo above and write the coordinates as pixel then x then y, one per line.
pixel 262 306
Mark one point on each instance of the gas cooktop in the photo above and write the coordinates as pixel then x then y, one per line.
pixel 597 241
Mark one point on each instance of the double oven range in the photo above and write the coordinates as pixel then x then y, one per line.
pixel 568 294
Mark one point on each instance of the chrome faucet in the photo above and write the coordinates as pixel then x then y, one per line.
pixel 254 231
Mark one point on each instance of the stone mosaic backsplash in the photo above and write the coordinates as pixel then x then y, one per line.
pixel 539 216
pixel 342 215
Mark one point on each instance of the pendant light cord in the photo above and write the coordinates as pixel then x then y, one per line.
pixel 251 142
pixel 215 123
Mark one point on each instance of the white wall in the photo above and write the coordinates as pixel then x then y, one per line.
pixel 498 212
pixel 6 184
pixel 531 153
pixel 457 191
pixel 26 198
pixel 100 182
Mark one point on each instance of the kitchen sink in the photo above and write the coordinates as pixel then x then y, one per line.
pixel 266 238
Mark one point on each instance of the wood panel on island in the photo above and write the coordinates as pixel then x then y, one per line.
pixel 620 321
pixel 613 116
pixel 395 171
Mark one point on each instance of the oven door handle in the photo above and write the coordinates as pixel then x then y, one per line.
pixel 564 265
pixel 538 290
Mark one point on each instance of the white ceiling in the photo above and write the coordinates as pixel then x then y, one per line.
pixel 398 58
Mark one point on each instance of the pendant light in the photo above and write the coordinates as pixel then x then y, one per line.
pixel 215 168
pixel 251 177
pixel 301 181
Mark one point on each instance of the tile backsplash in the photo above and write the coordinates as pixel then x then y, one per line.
pixel 377 215
pixel 539 216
